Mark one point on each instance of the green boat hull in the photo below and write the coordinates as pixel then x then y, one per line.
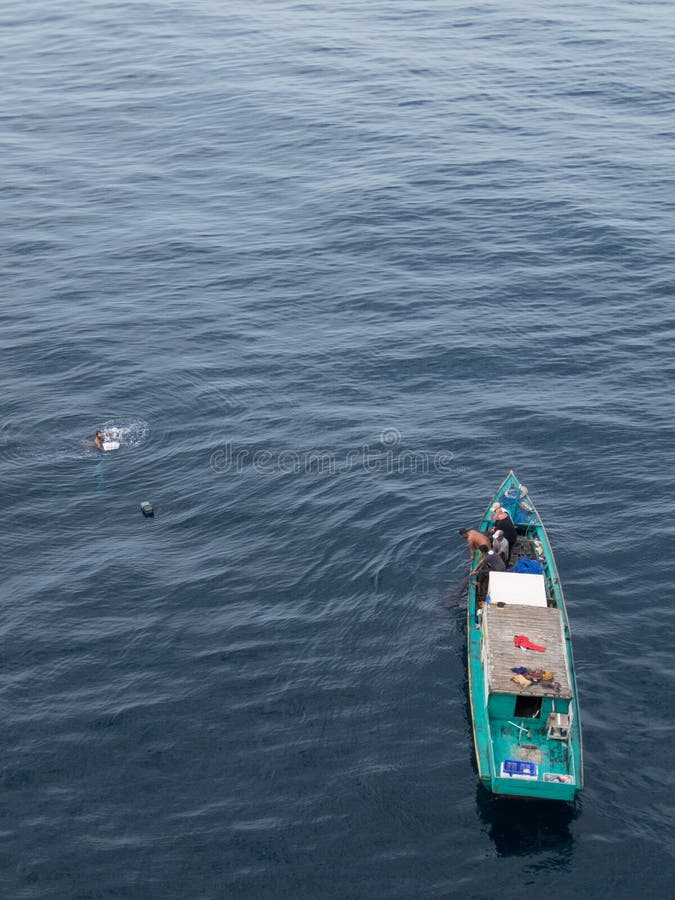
pixel 527 738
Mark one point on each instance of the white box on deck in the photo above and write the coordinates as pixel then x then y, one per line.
pixel 517 589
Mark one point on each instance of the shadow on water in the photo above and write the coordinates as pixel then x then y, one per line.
pixel 526 827
pixel 99 476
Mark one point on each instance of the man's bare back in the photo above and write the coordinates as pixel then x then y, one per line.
pixel 475 539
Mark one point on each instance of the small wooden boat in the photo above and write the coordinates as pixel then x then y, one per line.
pixel 523 693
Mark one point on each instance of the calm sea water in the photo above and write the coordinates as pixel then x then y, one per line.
pixel 338 267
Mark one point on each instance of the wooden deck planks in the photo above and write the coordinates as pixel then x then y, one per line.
pixel 542 626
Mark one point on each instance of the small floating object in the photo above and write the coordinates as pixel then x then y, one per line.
pixel 147 509
pixel 111 445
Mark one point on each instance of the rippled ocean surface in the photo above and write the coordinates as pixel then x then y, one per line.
pixel 338 267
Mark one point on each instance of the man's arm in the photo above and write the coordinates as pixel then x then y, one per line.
pixel 478 567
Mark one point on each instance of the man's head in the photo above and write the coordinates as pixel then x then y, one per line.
pixel 462 532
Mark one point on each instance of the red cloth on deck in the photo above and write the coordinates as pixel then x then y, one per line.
pixel 521 641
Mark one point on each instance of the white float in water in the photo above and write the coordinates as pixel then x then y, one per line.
pixel 124 435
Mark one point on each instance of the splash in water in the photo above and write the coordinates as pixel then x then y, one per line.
pixel 129 435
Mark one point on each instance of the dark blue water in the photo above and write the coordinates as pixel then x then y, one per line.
pixel 339 266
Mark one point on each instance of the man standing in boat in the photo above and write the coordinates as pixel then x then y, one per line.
pixel 502 521
pixel 489 562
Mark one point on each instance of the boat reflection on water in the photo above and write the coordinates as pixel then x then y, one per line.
pixel 526 827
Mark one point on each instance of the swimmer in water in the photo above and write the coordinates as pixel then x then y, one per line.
pixel 98 440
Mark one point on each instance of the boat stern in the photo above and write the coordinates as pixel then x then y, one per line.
pixel 525 780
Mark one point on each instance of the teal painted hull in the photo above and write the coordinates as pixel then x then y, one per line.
pixel 527 738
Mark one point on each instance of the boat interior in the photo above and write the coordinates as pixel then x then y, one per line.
pixel 530 726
